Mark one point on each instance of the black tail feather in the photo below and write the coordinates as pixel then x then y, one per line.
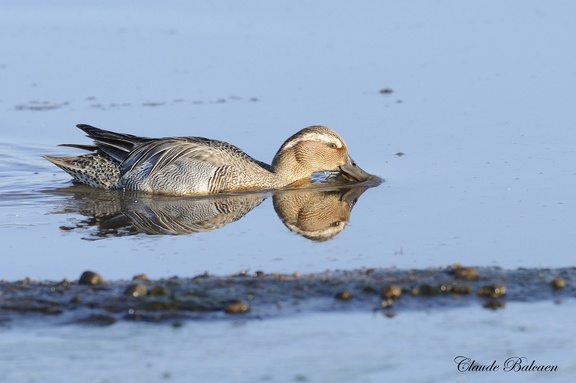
pixel 116 145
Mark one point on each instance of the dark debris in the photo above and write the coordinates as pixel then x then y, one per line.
pixel 259 295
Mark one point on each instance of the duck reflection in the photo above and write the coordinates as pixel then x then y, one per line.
pixel 318 215
pixel 317 212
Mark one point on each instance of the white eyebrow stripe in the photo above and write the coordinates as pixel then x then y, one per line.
pixel 314 136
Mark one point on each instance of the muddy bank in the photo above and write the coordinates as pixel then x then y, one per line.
pixel 257 295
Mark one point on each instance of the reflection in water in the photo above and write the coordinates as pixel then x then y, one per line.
pixel 318 212
pixel 318 215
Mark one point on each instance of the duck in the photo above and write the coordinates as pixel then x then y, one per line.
pixel 201 166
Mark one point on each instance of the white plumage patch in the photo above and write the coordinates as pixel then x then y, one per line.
pixel 314 136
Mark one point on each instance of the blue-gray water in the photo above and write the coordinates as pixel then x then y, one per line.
pixel 482 106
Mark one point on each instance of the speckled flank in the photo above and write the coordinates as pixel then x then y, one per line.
pixel 196 165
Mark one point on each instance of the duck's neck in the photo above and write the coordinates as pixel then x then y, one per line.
pixel 288 169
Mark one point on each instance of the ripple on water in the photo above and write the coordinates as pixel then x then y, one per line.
pixel 24 175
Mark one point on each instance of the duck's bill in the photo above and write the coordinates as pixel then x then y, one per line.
pixel 353 172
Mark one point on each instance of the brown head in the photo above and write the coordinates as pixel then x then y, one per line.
pixel 315 149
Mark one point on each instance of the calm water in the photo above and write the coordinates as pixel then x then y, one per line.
pixel 347 347
pixel 482 106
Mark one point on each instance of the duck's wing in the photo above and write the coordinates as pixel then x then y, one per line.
pixel 116 145
pixel 157 154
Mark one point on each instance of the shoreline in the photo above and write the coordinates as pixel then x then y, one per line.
pixel 257 295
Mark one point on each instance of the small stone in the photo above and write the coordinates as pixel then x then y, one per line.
pixel 140 277
pixel 558 283
pixel 462 290
pixel 369 289
pixel 467 273
pixel 237 307
pixel 386 91
pixel 492 291
pixel 344 295
pixel 391 292
pixel 158 290
pixel 91 278
pixel 429 290
pixel 201 277
pixel 136 290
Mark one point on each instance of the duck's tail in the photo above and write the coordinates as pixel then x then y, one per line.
pixel 90 169
pixel 101 167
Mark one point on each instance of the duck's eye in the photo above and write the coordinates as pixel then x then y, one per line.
pixel 333 145
pixel 335 224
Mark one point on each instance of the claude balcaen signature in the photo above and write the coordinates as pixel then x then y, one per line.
pixel 512 364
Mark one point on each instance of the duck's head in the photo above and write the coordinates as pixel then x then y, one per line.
pixel 315 149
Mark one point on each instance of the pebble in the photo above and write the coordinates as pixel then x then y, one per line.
pixel 467 273
pixel 158 290
pixel 136 290
pixel 237 307
pixel 344 295
pixel 91 278
pixel 558 283
pixel 391 292
pixel 492 291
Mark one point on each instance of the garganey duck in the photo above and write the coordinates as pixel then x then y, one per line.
pixel 197 165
